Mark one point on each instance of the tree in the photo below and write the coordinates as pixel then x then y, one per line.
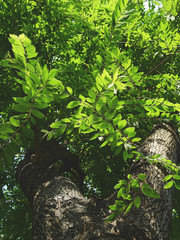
pixel 99 104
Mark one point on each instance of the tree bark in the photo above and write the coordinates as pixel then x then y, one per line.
pixel 60 211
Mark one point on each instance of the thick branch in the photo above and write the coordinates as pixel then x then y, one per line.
pixel 61 212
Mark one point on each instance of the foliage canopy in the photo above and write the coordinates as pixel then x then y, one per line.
pixel 97 76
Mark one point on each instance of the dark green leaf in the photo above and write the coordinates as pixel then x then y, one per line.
pixel 28 132
pixel 149 192
pixel 21 107
pixel 177 184
pixel 141 176
pixel 176 177
pixel 37 114
pixel 125 155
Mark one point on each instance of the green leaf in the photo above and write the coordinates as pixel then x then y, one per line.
pixel 120 192
pixel 149 192
pixel 53 73
pixel 60 130
pixel 122 124
pixel 129 207
pixel 167 178
pixel 35 78
pixel 66 120
pixel 120 203
pixel 70 90
pixel 56 124
pixel 31 51
pixel 21 107
pixel 31 85
pixel 99 60
pixel 118 150
pixel 22 101
pixel 96 135
pixel 177 184
pixel 37 114
pixel 104 143
pixel 113 207
pixel 15 122
pixel 141 176
pixel 136 139
pixel 63 95
pixel 73 104
pixel 129 176
pixel 56 82
pixel 25 40
pixel 120 184
pixel 18 49
pixel 125 155
pixel 45 74
pixel 104 124
pixel 130 131
pixel 169 184
pixel 111 217
pixel 177 177
pixel 30 67
pixel 50 135
pixel 135 183
pixel 40 105
pixel 27 91
pixel 38 69
pixel 137 202
pixel 6 127
pixel 117 119
pixel 133 70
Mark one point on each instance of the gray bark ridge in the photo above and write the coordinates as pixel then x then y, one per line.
pixel 152 219
pixel 61 212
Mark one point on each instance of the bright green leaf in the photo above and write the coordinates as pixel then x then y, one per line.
pixel 56 124
pixel 167 178
pixel 15 122
pixel 122 124
pixel 73 104
pixel 169 185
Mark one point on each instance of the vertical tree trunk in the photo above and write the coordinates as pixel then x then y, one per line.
pixel 152 219
pixel 61 212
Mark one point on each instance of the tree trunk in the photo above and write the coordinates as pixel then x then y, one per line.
pixel 60 212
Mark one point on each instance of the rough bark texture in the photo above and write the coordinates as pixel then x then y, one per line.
pixel 60 212
pixel 152 219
